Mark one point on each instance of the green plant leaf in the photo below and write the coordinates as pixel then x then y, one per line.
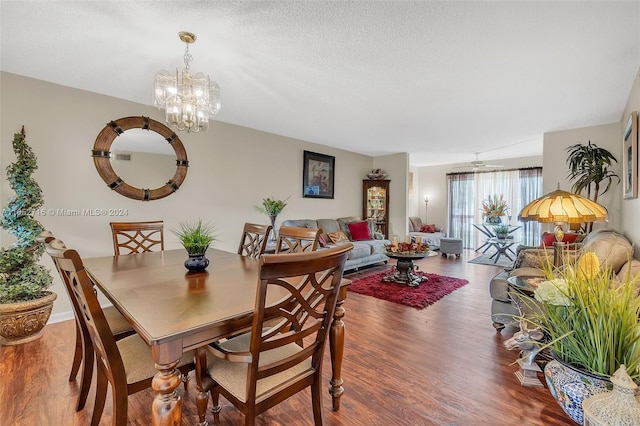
pixel 21 278
pixel 195 237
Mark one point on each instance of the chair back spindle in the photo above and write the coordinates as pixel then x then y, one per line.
pixel 137 237
pixel 254 240
pixel 292 239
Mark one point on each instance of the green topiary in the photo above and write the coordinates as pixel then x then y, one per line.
pixel 21 277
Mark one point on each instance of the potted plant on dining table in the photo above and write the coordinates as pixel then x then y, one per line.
pixel 195 237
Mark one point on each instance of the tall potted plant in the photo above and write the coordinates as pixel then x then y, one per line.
pixel 589 169
pixel 25 303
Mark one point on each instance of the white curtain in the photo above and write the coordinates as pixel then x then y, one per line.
pixel 530 189
pixel 461 207
pixel 467 191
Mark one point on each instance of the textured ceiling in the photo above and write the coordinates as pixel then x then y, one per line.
pixel 440 80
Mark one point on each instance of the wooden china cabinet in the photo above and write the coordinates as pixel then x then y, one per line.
pixel 375 203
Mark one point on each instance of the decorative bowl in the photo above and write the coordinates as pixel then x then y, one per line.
pixel 377 176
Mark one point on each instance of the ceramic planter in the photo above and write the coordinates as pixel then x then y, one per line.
pixel 196 263
pixel 569 386
pixel 23 322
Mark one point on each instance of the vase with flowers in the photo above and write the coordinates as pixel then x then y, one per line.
pixel 272 208
pixel 493 208
pixel 593 327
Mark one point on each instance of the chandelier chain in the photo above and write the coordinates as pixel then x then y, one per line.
pixel 187 57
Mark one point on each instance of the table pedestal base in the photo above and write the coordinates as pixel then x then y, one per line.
pixel 404 274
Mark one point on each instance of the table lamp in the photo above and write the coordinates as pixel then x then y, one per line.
pixel 560 207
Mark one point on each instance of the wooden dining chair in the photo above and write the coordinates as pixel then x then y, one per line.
pixel 126 364
pixel 119 326
pixel 254 239
pixel 137 237
pixel 292 239
pixel 283 353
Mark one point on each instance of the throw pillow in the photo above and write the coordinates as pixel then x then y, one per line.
pixel 548 238
pixel 321 241
pixel 359 231
pixel 428 228
pixel 337 236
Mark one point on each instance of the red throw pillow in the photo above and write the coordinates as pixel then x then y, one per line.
pixel 548 238
pixel 321 241
pixel 359 231
pixel 428 228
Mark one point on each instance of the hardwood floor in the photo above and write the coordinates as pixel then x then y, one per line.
pixel 444 365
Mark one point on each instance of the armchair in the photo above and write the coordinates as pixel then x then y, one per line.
pixel 613 250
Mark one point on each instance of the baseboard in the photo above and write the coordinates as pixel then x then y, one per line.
pixel 59 317
pixel 66 316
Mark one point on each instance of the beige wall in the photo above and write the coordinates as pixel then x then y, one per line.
pixel 231 169
pixel 397 168
pixel 555 166
pixel 432 180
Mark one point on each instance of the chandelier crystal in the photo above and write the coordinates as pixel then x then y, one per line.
pixel 189 100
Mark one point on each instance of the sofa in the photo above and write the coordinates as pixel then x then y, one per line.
pixel 364 253
pixel 432 238
pixel 613 250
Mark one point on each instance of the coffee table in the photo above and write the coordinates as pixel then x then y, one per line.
pixel 405 267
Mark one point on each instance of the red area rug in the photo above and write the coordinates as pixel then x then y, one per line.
pixel 419 297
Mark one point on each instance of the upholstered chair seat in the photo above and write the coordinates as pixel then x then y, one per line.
pixel 233 375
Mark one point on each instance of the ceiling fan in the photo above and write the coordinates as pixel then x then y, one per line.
pixel 477 165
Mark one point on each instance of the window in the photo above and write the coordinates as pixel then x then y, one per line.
pixel 468 190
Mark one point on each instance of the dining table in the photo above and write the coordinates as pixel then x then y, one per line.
pixel 175 311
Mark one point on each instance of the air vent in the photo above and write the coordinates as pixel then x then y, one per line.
pixel 123 157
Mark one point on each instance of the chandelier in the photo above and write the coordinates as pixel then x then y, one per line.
pixel 189 100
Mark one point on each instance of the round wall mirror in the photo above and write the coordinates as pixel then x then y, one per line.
pixel 134 155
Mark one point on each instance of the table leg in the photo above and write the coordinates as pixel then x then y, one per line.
pixel 336 347
pixel 507 254
pixel 166 409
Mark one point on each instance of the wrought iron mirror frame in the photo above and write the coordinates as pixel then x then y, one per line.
pixel 102 158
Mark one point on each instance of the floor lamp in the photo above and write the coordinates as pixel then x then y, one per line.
pixel 560 207
pixel 426 205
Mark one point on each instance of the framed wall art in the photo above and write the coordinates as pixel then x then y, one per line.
pixel 410 184
pixel 630 157
pixel 318 171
